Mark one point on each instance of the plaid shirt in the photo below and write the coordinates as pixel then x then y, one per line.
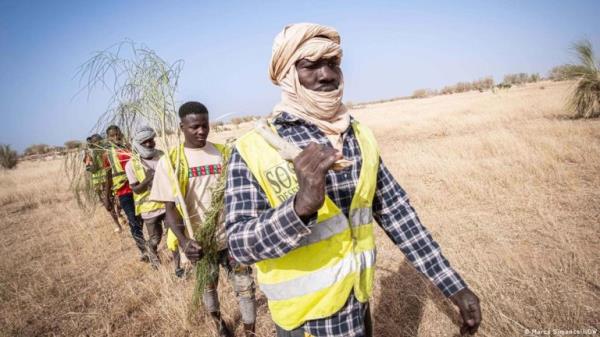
pixel 257 232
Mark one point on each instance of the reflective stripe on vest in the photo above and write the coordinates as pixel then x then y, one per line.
pixel 320 279
pixel 315 279
pixel 98 177
pixel 119 179
pixel 99 173
pixel 142 204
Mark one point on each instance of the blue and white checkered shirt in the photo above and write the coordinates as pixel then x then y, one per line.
pixel 257 232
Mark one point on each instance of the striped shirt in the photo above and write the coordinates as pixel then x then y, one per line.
pixel 257 232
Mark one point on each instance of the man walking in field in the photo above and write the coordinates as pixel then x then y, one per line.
pixel 199 167
pixel 115 158
pixel 93 164
pixel 140 174
pixel 308 228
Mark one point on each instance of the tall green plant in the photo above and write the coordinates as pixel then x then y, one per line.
pixel 8 157
pixel 585 99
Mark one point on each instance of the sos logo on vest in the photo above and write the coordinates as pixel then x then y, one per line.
pixel 283 180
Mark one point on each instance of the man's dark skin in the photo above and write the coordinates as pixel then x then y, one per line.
pixel 141 187
pixel 315 160
pixel 195 128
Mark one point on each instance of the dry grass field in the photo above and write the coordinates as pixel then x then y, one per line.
pixel 507 184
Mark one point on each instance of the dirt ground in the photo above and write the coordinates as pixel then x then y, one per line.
pixel 506 182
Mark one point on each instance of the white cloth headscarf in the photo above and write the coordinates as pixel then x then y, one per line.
pixel 141 135
pixel 324 109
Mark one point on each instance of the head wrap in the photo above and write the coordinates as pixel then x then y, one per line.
pixel 141 135
pixel 324 109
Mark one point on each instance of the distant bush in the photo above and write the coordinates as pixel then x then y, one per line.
pixel 237 121
pixel 59 149
pixel 420 93
pixel 72 144
pixel 482 84
pixel 463 86
pixel 534 78
pixel 8 157
pixel 516 79
pixel 217 126
pixel 564 72
pixel 447 90
pixel 38 149
pixel 242 119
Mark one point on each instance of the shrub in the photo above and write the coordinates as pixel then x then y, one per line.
pixel 72 144
pixel 585 100
pixel 534 78
pixel 38 149
pixel 59 149
pixel 463 86
pixel 217 126
pixel 8 157
pixel 448 90
pixel 482 84
pixel 420 93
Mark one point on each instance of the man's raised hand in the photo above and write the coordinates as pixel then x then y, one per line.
pixel 311 166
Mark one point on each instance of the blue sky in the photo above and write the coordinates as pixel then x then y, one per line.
pixel 390 48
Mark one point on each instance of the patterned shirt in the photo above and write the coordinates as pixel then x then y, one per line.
pixel 257 232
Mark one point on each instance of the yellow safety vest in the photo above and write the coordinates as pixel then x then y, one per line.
pixel 142 204
pixel 179 163
pixel 315 279
pixel 99 173
pixel 119 179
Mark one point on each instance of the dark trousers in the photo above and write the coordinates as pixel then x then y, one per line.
pixel 135 223
pixel 154 227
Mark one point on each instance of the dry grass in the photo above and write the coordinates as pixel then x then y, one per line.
pixel 506 184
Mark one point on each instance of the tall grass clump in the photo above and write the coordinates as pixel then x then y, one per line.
pixel 585 100
pixel 8 157
pixel 142 87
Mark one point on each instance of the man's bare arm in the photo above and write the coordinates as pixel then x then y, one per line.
pixel 141 187
pixel 173 219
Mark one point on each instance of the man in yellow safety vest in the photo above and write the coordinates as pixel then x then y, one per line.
pixel 115 158
pixel 198 162
pixel 93 164
pixel 308 224
pixel 140 174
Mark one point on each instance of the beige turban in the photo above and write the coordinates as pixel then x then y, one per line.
pixel 324 109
